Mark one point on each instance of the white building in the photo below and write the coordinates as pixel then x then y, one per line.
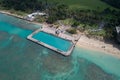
pixel 32 16
pixel 118 33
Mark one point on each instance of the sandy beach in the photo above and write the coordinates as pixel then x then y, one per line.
pixel 96 45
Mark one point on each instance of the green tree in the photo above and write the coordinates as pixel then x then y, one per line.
pixel 57 12
pixel 23 5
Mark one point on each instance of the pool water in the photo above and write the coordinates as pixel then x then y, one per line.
pixel 21 59
pixel 54 41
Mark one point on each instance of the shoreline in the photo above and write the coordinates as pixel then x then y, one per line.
pixel 96 45
pixel 21 17
pixel 11 14
pixel 83 42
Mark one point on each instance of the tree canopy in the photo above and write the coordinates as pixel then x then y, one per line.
pixel 23 5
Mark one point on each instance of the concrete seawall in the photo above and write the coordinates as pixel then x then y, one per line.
pixel 67 53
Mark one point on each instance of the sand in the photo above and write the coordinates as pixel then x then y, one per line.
pixel 96 45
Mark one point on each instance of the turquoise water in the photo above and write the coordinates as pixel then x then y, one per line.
pixel 109 63
pixel 18 22
pixel 59 43
pixel 11 29
pixel 21 59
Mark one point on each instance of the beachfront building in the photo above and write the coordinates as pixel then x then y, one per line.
pixel 32 16
pixel 118 33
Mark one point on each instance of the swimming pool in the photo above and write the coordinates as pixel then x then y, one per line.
pixel 54 41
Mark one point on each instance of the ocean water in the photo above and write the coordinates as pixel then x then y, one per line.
pixel 11 29
pixel 59 43
pixel 21 59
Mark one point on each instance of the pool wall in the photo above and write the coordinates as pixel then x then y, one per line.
pixel 30 37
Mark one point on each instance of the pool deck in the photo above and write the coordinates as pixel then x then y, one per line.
pixel 61 35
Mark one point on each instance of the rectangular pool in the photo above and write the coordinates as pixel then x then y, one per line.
pixel 54 41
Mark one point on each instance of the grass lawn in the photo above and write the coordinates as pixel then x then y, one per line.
pixel 85 4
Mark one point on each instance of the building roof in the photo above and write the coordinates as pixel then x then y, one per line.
pixel 39 13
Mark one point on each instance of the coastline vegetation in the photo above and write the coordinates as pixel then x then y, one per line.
pixel 97 21
pixel 72 30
